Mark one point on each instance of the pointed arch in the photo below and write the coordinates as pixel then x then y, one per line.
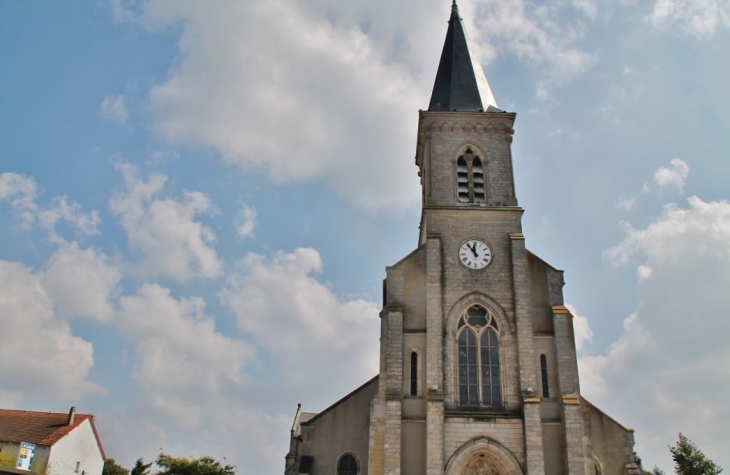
pixel 470 166
pixel 450 345
pixel 348 464
pixel 452 319
pixel 483 451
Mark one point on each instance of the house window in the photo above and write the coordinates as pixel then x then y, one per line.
pixel 479 370
pixel 470 183
pixel 347 465
pixel 544 376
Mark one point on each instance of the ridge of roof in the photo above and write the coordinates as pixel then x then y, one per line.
pixel 460 83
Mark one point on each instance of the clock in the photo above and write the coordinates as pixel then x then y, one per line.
pixel 475 254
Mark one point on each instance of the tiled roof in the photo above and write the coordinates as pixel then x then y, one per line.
pixel 41 428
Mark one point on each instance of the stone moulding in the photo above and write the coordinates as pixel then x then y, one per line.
pixel 469 127
pixel 480 454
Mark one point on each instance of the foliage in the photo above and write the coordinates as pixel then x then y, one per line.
pixel 689 460
pixel 183 466
pixel 113 468
pixel 141 468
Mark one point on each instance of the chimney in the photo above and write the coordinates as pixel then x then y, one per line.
pixel 71 415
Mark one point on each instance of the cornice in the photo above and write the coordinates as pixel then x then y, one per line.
pixel 501 209
pixel 465 126
pixel 467 122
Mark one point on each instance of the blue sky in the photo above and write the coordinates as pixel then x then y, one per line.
pixel 199 199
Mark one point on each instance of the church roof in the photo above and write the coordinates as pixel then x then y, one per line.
pixel 460 81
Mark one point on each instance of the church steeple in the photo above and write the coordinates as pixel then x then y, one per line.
pixel 460 82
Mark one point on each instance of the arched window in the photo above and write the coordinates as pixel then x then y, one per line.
pixel 480 379
pixel 544 376
pixel 470 183
pixel 347 465
pixel 414 373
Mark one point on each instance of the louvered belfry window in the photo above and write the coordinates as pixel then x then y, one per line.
pixel 470 179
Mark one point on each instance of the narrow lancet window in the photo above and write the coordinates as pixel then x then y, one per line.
pixel 491 384
pixel 414 374
pixel 468 383
pixel 544 376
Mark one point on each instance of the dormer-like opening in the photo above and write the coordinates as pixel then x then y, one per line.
pixel 470 178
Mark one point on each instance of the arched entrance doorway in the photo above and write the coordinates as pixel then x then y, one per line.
pixel 483 456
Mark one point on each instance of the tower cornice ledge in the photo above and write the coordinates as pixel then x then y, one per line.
pixel 470 122
pixel 477 207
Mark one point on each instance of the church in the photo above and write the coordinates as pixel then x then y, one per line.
pixel 478 367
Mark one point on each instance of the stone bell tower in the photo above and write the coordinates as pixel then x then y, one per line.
pixel 478 369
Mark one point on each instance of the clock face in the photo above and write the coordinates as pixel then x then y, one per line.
pixel 475 254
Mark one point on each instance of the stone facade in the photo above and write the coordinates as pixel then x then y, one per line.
pixel 513 406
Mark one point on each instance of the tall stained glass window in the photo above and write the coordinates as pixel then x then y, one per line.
pixel 480 377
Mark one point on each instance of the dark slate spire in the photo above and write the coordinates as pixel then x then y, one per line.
pixel 460 82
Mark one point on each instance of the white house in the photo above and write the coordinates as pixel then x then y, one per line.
pixel 50 443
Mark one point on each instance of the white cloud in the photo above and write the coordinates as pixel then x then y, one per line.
pixel 246 221
pixel 701 18
pixel 581 328
pixel 535 35
pixel 85 224
pixel 81 282
pixel 187 371
pixel 20 191
pixel 675 174
pixel 182 362
pixel 114 108
pixel 38 353
pixel 115 432
pixel 589 7
pixel 302 321
pixel 643 272
pixel 673 354
pixel 248 438
pixel 251 73
pixel 166 230
pixel 626 204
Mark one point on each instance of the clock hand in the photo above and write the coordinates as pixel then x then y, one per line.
pixel 473 249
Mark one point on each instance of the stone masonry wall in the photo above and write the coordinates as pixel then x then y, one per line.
pixel 508 432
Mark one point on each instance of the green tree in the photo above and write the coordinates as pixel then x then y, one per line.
pixel 141 468
pixel 113 468
pixel 689 460
pixel 170 465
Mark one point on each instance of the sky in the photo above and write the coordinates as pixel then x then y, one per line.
pixel 198 201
